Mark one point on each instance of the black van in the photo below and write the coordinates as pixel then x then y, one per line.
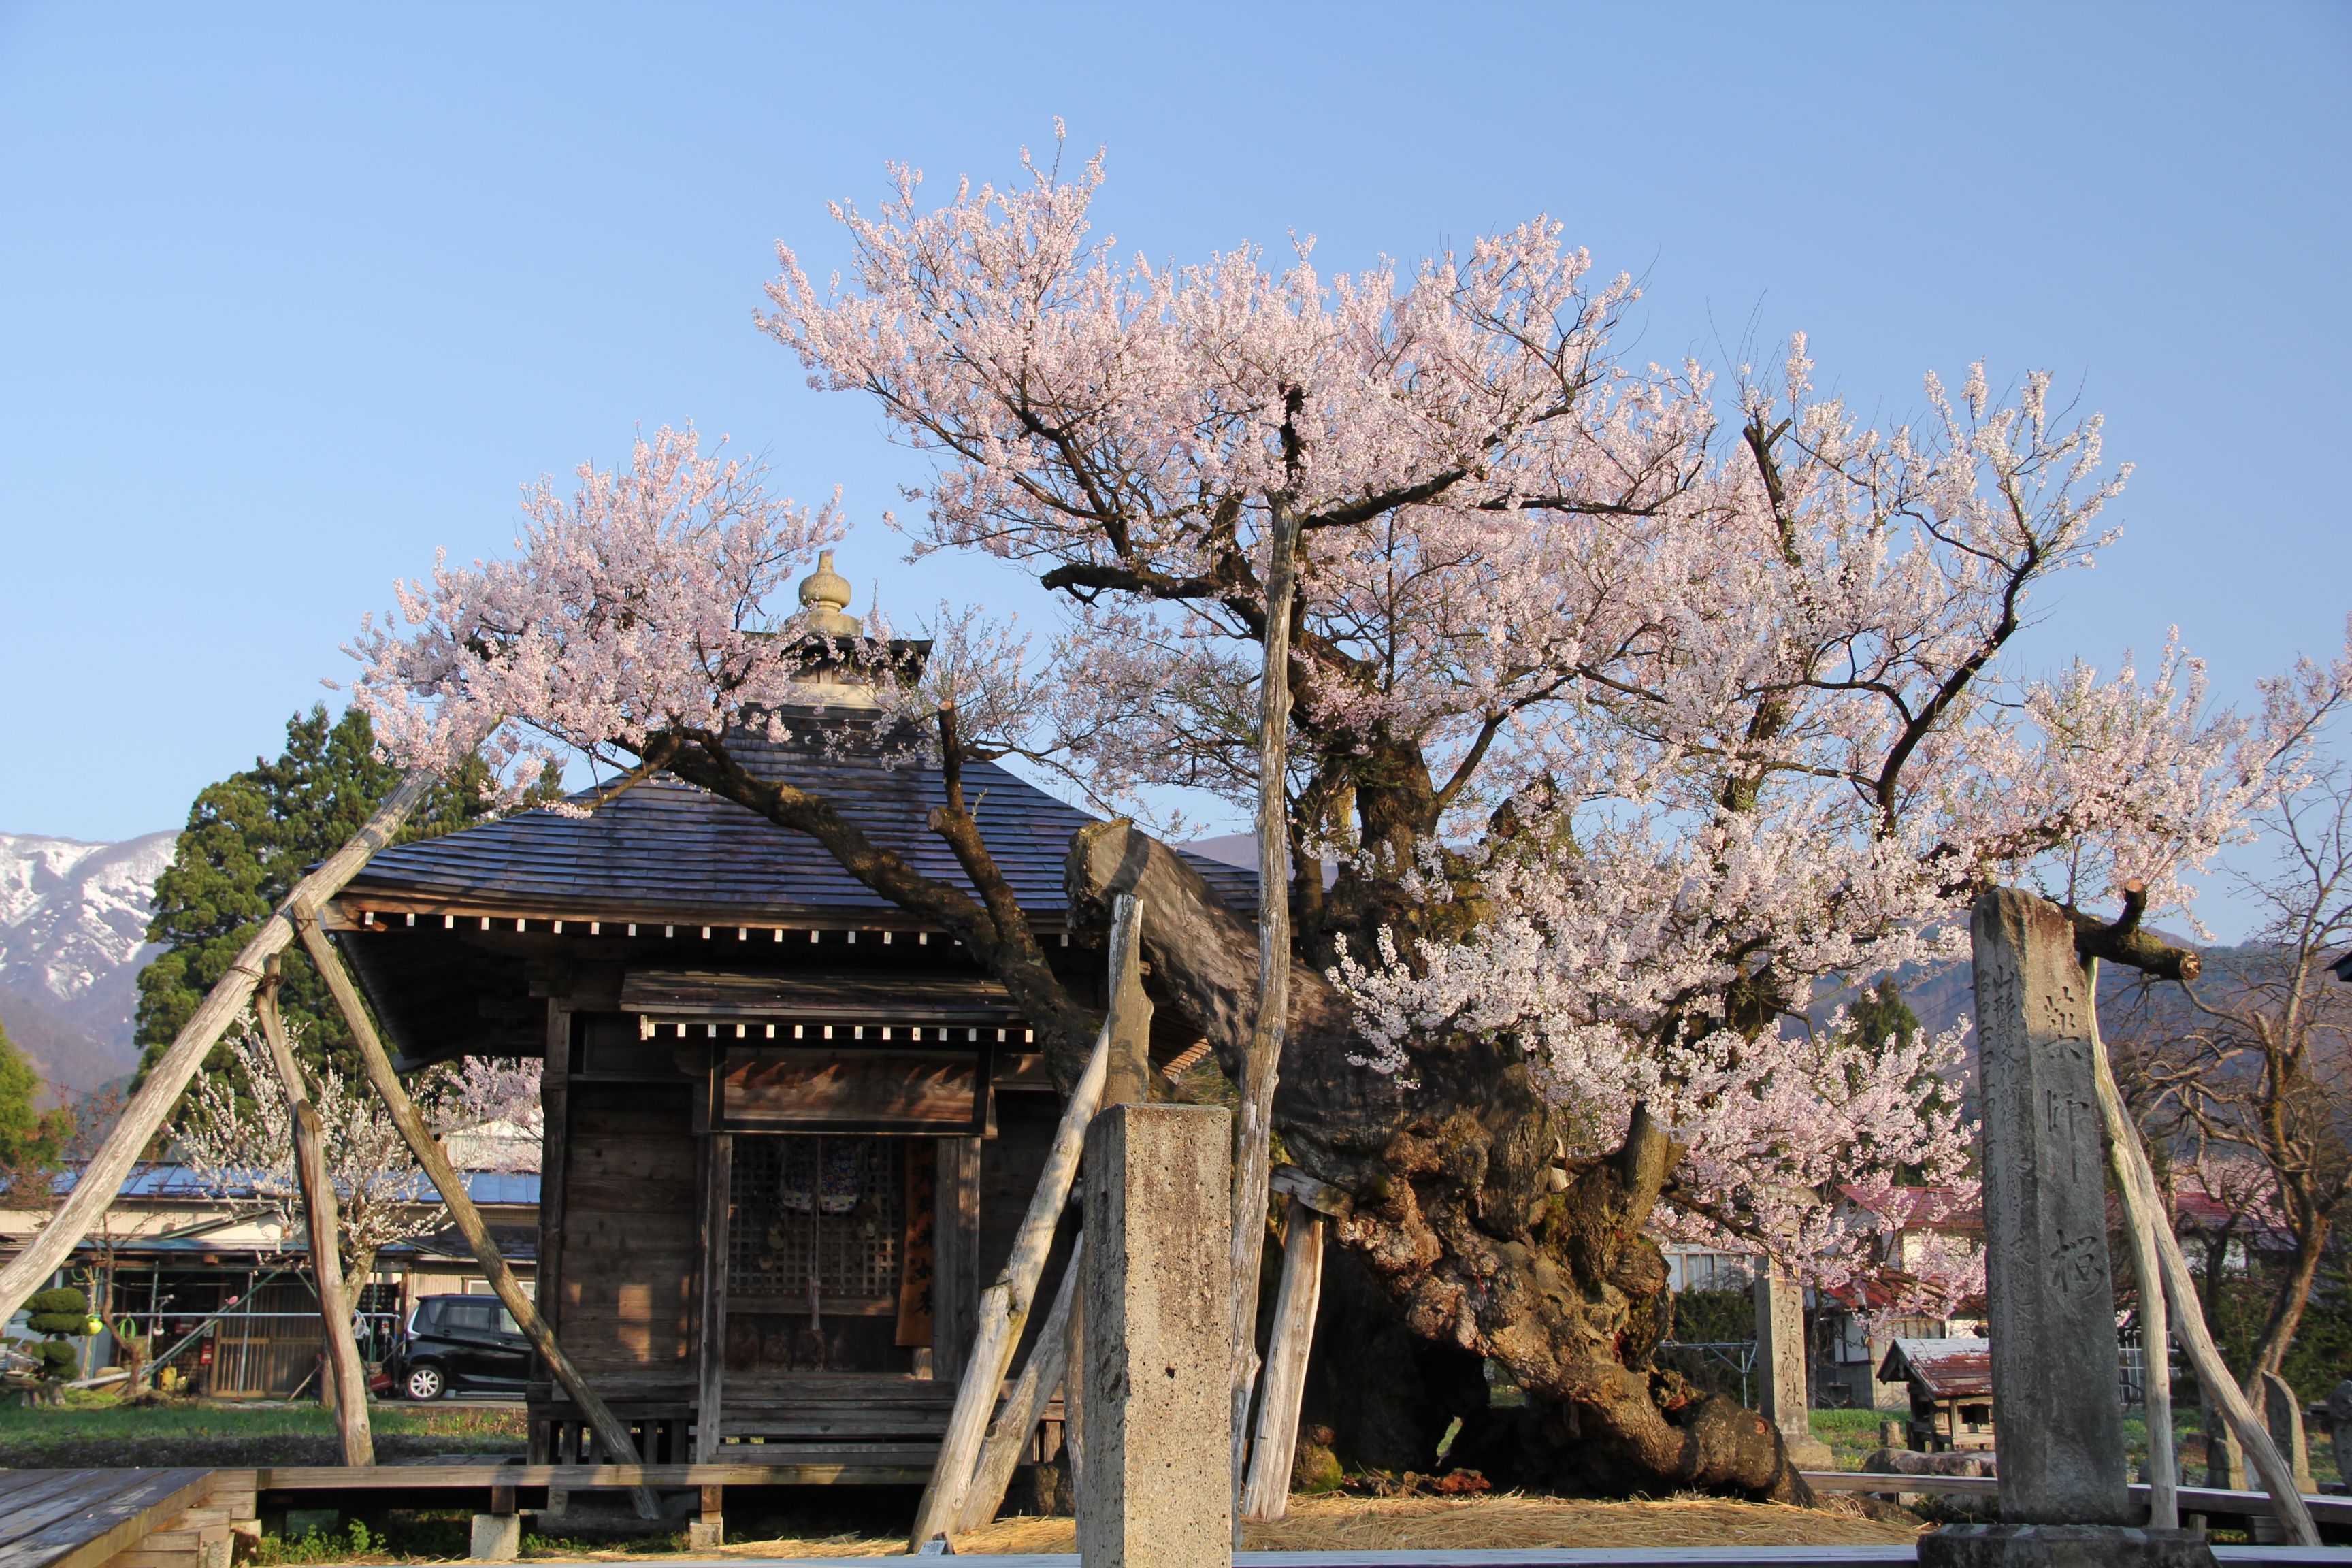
pixel 467 1343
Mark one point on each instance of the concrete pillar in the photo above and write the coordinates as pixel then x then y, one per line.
pixel 708 1533
pixel 1157 1378
pixel 1781 1366
pixel 2051 1297
pixel 498 1538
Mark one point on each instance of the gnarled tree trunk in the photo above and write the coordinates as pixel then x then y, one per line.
pixel 1456 1215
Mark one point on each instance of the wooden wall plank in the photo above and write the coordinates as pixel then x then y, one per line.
pixel 955 1243
pixel 630 1246
pixel 810 1090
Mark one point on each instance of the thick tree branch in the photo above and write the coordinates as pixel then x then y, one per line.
pixel 2123 941
pixel 1012 955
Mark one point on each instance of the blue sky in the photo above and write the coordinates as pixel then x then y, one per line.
pixel 291 297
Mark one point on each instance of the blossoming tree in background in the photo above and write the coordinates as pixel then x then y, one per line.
pixel 239 1139
pixel 239 1142
pixel 1628 709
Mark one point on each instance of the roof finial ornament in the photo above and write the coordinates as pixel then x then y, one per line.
pixel 824 593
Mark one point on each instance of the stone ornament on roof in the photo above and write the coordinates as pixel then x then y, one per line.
pixel 831 677
pixel 824 594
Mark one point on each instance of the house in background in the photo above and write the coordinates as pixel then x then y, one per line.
pixel 1692 1267
pixel 1854 1328
pixel 1947 1385
pixel 196 1268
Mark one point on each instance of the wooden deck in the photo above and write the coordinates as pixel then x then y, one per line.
pixel 184 1517
pixel 865 1464
pixel 80 1519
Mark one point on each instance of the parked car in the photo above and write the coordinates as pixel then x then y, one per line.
pixel 461 1343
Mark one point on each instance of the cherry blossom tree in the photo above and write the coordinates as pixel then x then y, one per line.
pixel 2243 1075
pixel 238 1138
pixel 489 1113
pixel 1630 705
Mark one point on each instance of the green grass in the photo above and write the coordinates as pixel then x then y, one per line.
pixel 1851 1434
pixel 93 1432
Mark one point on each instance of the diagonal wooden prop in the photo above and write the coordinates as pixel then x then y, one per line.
pixel 325 1228
pixel 1005 1306
pixel 2144 1212
pixel 610 1434
pixel 94 1191
pixel 1048 1366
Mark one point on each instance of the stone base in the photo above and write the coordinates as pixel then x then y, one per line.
pixel 1811 1454
pixel 2061 1546
pixel 707 1534
pixel 498 1538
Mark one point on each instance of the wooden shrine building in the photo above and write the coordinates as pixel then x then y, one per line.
pixel 790 1130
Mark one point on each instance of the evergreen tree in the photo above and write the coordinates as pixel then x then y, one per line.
pixel 1880 1011
pixel 30 1138
pixel 249 839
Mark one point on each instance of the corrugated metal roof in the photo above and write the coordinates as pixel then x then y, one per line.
pixel 182 1182
pixel 668 850
pixel 1947 1369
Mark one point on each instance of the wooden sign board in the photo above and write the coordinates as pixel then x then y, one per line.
pixel 931 1092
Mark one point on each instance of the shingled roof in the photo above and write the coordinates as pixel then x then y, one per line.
pixel 667 850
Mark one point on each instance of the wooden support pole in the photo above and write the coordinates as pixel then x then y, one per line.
pixel 346 1372
pixel 1048 1366
pixel 1073 1396
pixel 1253 1122
pixel 1127 1077
pixel 94 1191
pixel 1296 1298
pixel 717 1199
pixel 2148 1275
pixel 1005 1306
pixel 2144 1212
pixel 611 1435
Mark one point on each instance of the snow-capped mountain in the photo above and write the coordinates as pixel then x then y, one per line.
pixel 73 924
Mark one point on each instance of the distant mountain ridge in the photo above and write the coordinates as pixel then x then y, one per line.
pixel 73 937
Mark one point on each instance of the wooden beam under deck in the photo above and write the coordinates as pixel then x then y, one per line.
pixel 879 1464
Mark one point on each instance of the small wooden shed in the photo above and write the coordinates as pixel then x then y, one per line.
pixel 1950 1383
pixel 790 1130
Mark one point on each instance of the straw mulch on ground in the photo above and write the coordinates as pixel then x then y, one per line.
pixel 1343 1523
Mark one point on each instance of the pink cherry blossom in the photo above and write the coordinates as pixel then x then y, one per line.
pixel 1660 704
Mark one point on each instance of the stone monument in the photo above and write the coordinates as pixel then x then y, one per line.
pixel 1158 1387
pixel 2339 1426
pixel 1781 1351
pixel 2225 1457
pixel 2055 1360
pixel 2283 1413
